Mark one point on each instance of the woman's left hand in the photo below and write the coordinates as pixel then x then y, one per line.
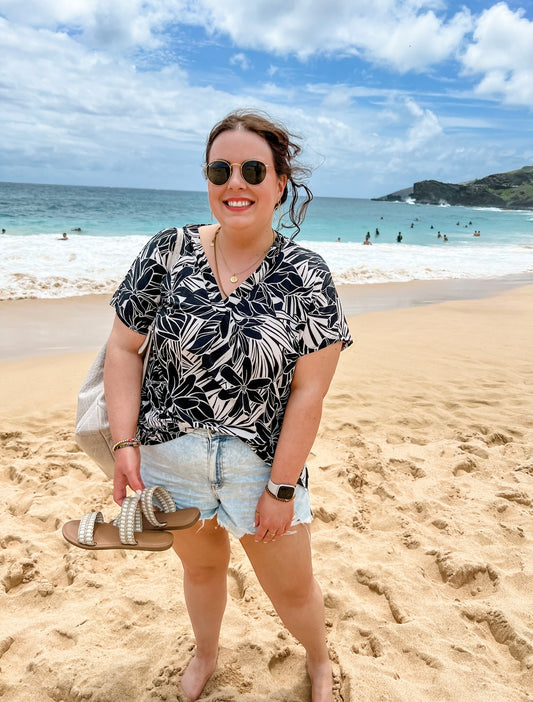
pixel 272 518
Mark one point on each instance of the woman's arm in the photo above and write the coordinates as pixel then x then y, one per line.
pixel 310 383
pixel 122 383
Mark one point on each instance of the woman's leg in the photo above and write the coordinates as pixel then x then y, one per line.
pixel 284 569
pixel 204 551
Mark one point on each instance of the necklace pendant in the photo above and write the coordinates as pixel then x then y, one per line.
pixel 234 278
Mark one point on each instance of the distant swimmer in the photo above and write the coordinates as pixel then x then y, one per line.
pixel 477 233
pixel 399 237
pixel 377 232
pixel 338 238
pixel 367 242
pixel 439 235
pixel 367 237
pixel 63 237
pixel 445 238
pixel 3 231
pixel 76 229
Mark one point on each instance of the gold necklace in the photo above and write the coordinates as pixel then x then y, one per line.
pixel 219 279
pixel 234 278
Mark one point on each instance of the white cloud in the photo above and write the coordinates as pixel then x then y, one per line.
pixel 75 108
pixel 240 60
pixel 503 51
pixel 425 129
pixel 68 109
pixel 119 23
pixel 401 34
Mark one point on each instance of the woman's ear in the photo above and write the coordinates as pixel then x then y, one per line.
pixel 282 184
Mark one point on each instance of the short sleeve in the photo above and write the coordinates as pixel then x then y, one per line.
pixel 325 323
pixel 137 298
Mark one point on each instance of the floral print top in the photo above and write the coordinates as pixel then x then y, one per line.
pixel 225 364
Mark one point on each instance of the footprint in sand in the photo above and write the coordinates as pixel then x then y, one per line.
pixel 369 644
pixel 22 571
pixel 466 465
pixel 238 583
pixel 407 467
pixel 517 496
pixel 498 439
pixel 481 579
pixel 5 644
pixel 288 664
pixel 365 577
pixel 502 631
pixel 324 515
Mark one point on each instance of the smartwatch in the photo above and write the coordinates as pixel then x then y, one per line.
pixel 285 493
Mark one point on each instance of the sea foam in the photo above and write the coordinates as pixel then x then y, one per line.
pixel 42 266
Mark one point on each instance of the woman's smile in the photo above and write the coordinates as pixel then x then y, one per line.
pixel 238 204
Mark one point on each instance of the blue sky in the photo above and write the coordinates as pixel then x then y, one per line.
pixel 124 92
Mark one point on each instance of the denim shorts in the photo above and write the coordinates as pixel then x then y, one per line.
pixel 219 474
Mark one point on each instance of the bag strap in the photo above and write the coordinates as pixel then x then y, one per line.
pixel 171 260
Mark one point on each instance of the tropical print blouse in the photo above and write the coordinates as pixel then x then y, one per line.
pixel 225 364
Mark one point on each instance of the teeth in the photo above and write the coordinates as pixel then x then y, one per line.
pixel 238 203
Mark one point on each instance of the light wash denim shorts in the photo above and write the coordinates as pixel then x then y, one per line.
pixel 219 474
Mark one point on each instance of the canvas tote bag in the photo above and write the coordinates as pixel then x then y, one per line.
pixel 92 431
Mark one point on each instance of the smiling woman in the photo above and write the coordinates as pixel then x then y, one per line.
pixel 246 329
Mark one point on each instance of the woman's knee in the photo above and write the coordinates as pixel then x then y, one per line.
pixel 301 593
pixel 205 573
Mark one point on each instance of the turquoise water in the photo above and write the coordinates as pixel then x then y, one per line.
pixel 106 227
pixel 51 209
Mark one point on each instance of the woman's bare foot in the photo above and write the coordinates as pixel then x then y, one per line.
pixel 321 675
pixel 197 674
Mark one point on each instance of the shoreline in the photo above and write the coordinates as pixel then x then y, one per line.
pixel 39 327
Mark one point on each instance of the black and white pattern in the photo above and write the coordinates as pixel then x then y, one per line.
pixel 226 364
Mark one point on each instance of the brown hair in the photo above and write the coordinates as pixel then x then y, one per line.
pixel 284 152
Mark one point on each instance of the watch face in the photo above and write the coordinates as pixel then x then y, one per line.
pixel 285 492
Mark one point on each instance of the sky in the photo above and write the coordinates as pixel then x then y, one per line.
pixel 383 94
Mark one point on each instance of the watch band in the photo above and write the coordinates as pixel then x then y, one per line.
pixel 283 492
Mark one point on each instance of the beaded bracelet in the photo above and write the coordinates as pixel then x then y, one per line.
pixel 279 499
pixel 125 443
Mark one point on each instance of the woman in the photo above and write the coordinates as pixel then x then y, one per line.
pixel 247 334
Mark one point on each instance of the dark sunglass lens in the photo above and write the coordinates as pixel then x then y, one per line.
pixel 253 172
pixel 218 172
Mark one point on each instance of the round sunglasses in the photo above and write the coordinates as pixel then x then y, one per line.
pixel 219 172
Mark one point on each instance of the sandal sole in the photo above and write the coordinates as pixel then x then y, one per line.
pixel 107 537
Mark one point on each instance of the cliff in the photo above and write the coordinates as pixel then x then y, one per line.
pixel 509 191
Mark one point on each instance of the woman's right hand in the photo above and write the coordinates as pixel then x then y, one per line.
pixel 127 472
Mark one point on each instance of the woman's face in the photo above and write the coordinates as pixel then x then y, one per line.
pixel 237 204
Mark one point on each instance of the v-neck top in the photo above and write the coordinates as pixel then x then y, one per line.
pixel 225 363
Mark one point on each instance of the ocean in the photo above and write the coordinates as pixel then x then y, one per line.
pixel 106 227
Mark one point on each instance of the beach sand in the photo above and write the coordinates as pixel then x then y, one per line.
pixel 422 487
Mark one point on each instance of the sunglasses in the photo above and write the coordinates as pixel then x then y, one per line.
pixel 219 172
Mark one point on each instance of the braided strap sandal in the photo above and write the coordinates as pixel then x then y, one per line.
pixel 174 518
pixel 91 532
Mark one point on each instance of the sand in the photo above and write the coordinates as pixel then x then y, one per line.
pixel 422 486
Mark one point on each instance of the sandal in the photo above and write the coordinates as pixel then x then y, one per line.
pixel 174 518
pixel 91 532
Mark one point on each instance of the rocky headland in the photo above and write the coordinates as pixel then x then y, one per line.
pixel 509 191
